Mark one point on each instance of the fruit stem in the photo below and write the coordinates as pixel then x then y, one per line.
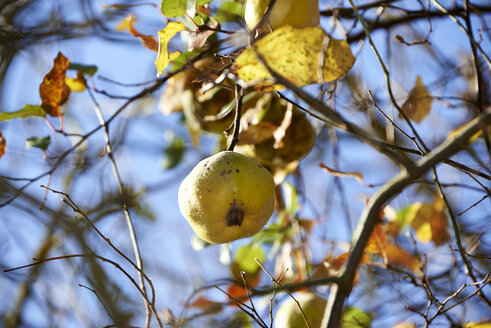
pixel 239 94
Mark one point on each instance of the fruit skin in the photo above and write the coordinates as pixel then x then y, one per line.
pixel 297 13
pixel 227 196
pixel 289 315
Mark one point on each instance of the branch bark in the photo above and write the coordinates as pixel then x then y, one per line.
pixel 371 215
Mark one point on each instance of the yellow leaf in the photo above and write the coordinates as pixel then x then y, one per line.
pixel 474 137
pixel 53 90
pixel 164 57
pixel 486 324
pixel 418 104
pixel 289 51
pixel 429 222
pixel 77 84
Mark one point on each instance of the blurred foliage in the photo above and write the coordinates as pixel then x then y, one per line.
pixel 426 261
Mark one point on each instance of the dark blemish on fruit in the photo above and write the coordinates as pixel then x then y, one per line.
pixel 229 171
pixel 208 169
pixel 209 190
pixel 223 172
pixel 228 163
pixel 237 170
pixel 235 215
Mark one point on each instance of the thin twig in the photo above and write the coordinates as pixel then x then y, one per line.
pixel 371 214
pixel 100 300
pixel 126 211
pixel 277 282
pixel 460 246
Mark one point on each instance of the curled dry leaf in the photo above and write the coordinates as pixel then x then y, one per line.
pixel 197 39
pixel 3 144
pixel 357 175
pixel 418 104
pixel 53 90
pixel 148 41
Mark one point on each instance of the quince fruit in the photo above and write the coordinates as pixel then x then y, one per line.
pixel 296 13
pixel 226 197
pixel 289 315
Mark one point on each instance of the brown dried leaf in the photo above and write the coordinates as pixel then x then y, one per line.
pixel 418 104
pixel 331 266
pixel 395 255
pixel 53 90
pixel 256 133
pixel 149 41
pixel 3 144
pixel 391 253
pixel 206 304
pixel 357 175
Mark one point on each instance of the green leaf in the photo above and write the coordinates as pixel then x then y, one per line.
pixel 38 142
pixel 27 111
pixel 164 57
pixel 173 8
pixel 202 2
pixel 182 60
pixel 356 318
pixel 174 153
pixel 245 257
pixel 86 69
pixel 229 11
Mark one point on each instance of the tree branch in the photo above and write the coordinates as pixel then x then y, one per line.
pixel 371 214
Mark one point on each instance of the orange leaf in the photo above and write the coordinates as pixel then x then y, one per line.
pixel 149 41
pixel 3 144
pixel 206 304
pixel 390 252
pixel 402 258
pixel 237 292
pixel 53 90
pixel 377 242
